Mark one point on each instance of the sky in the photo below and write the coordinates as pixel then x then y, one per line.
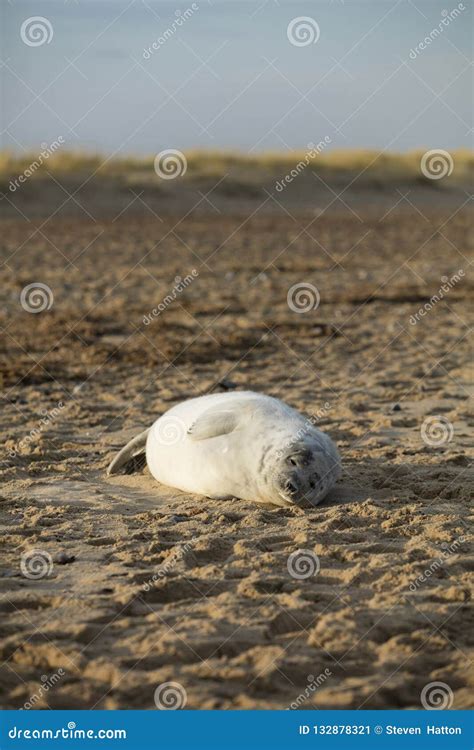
pixel 236 74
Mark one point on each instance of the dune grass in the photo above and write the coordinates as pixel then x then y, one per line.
pixel 384 167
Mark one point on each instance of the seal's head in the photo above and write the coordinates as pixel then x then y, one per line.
pixel 307 470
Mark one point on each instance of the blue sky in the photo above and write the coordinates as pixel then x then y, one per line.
pixel 229 77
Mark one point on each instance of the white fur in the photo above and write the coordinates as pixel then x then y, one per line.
pixel 231 445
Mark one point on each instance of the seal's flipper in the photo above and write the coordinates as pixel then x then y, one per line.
pixel 218 421
pixel 132 458
pixel 213 423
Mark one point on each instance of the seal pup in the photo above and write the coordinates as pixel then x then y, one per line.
pixel 244 445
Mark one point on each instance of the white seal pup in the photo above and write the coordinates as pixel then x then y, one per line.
pixel 243 444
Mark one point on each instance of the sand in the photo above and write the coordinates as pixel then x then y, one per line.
pixel 149 585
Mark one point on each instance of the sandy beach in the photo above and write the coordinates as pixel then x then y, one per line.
pixel 145 585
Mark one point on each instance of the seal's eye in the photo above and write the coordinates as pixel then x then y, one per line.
pixel 293 462
pixel 312 485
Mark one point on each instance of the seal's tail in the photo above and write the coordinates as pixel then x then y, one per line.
pixel 132 458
